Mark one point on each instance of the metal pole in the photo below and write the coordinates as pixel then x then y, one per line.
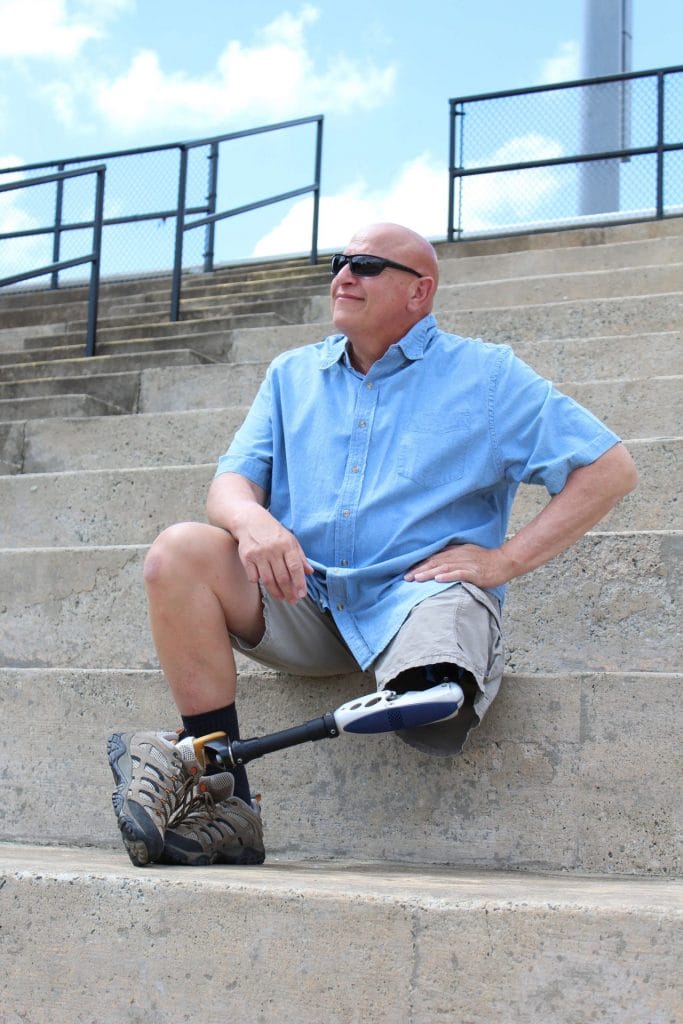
pixel 316 191
pixel 451 173
pixel 660 145
pixel 57 236
pixel 210 234
pixel 607 35
pixel 96 265
pixel 179 232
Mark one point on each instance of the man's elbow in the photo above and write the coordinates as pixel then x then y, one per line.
pixel 623 474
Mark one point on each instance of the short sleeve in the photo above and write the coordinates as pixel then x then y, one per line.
pixel 540 435
pixel 251 451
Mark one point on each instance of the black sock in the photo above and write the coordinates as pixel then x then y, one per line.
pixel 221 720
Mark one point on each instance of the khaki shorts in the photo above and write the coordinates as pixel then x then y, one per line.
pixel 460 625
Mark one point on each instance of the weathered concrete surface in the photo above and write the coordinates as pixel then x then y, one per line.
pixel 119 506
pixel 110 944
pixel 588 748
pixel 84 366
pixel 638 409
pixel 608 604
pixel 639 354
pixel 162 439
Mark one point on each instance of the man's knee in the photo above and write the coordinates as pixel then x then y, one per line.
pixel 185 548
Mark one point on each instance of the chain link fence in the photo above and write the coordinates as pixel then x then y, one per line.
pixel 594 151
pixel 53 222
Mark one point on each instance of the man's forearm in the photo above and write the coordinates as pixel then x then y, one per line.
pixel 589 494
pixel 230 497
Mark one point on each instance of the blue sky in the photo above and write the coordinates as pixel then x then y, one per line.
pixel 82 76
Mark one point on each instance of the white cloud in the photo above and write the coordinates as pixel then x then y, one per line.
pixel 564 66
pixel 418 198
pixel 42 28
pixel 274 78
pixel 15 253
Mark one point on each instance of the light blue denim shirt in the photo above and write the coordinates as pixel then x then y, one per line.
pixel 374 473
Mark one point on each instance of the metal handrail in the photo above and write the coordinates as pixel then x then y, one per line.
pixel 207 213
pixel 94 258
pixel 457 171
pixel 212 217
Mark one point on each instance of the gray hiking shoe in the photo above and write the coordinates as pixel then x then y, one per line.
pixel 218 828
pixel 155 778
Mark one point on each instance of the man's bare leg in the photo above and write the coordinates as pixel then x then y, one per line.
pixel 197 590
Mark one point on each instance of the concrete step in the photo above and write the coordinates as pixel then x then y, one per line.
pixel 287 310
pixel 164 329
pixel 132 289
pixel 61 405
pixel 637 355
pixel 517 287
pixel 160 439
pixel 609 603
pixel 118 389
pixel 588 317
pixel 634 409
pixel 114 506
pixel 585 747
pixel 111 938
pixel 516 325
pixel 650 252
pixel 546 288
pixel 98 364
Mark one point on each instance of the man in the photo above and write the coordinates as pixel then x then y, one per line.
pixel 357 521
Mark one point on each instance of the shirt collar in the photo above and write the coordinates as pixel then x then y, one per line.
pixel 412 344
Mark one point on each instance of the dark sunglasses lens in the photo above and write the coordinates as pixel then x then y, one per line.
pixel 361 265
pixel 367 266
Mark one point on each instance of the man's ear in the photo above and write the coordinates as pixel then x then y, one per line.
pixel 422 293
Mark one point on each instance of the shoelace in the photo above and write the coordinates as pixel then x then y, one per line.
pixel 166 795
pixel 195 798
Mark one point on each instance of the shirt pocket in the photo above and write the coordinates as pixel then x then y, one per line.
pixel 433 449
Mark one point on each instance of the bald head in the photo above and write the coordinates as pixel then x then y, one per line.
pixel 396 242
pixel 376 310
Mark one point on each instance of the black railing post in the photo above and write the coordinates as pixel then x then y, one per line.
pixel 453 168
pixel 96 265
pixel 179 232
pixel 316 191
pixel 660 145
pixel 57 236
pixel 210 236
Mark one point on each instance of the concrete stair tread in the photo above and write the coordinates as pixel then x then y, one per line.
pixel 558 945
pixel 110 505
pixel 352 880
pixel 21 372
pixel 72 405
pixel 609 602
pixel 199 434
pixel 575 743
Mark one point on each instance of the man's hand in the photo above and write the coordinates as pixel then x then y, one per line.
pixel 272 555
pixel 588 495
pixel 485 567
pixel 269 553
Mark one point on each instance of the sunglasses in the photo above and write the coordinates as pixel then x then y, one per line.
pixel 364 265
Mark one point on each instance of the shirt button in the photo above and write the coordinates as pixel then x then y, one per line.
pixel 362 423
pixel 369 385
pixel 355 469
pixel 344 561
pixel 346 513
pixel 340 607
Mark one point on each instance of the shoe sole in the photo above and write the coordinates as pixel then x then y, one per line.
pixel 140 836
pixel 246 855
